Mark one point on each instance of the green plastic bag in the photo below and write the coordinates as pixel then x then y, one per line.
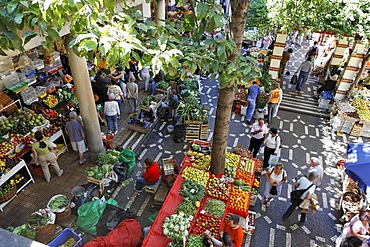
pixel 89 214
pixel 129 158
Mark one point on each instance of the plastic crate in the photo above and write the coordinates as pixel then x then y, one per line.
pixel 64 236
pixel 29 95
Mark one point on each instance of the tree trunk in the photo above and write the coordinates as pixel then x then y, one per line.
pixel 221 129
pixel 239 10
pixel 359 74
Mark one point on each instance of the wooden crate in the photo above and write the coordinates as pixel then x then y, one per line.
pixel 203 132
pixel 356 130
pixel 192 132
pixel 97 182
pixel 7 105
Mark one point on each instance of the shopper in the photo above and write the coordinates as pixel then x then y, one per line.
pixel 44 155
pixel 118 76
pixel 315 165
pixel 276 95
pixel 352 242
pixel 275 177
pixel 358 227
pixel 284 60
pixel 305 188
pixel 102 83
pixel 150 176
pixel 259 132
pixel 118 94
pixel 304 70
pixel 272 145
pixel 112 113
pixel 76 134
pixel 157 78
pixel 253 92
pixel 312 50
pixel 145 77
pixel 132 94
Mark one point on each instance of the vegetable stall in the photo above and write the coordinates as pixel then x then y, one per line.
pixel 200 201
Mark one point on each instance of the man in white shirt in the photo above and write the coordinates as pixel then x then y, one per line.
pixel 316 166
pixel 302 184
pixel 259 132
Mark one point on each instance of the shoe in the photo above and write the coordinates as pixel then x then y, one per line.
pixel 115 132
pixel 61 173
pixel 138 191
pixel 268 204
pixel 82 162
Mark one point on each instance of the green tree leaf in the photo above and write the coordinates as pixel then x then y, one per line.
pixel 28 36
pixel 18 18
pixel 11 7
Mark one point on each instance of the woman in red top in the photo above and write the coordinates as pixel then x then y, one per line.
pixel 150 176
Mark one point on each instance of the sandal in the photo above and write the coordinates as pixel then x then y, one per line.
pixel 83 162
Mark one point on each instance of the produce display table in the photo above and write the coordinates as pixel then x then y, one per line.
pixel 8 176
pixel 156 238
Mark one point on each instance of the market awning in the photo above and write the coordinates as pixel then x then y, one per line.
pixel 358 165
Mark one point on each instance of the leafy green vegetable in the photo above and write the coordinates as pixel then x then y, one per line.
pixel 215 207
pixel 24 231
pixel 58 203
pixel 109 157
pixel 37 220
pixel 187 207
pixel 192 190
pixel 195 241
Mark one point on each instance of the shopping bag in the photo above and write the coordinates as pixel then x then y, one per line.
pixel 294 79
pixel 273 160
pixel 273 190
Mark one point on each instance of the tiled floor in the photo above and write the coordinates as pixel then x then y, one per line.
pixel 36 195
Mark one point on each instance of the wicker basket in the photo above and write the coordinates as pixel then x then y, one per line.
pixel 63 216
pixel 45 233
pixel 8 196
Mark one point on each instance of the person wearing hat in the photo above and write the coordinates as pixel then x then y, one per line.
pixel 112 113
pixel 304 184
pixel 76 134
pixel 272 145
pixel 172 103
pixel 329 85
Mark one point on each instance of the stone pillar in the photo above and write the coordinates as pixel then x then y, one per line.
pixel 160 13
pixel 147 11
pixel 86 103
pixel 277 55
pixel 351 71
pixel 342 45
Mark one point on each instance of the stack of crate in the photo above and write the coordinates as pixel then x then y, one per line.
pixel 203 132
pixel 192 131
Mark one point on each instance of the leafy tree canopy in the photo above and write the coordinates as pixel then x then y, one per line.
pixel 99 33
pixel 344 17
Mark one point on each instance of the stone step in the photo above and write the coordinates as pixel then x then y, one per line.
pixel 303 110
pixel 300 98
pixel 314 106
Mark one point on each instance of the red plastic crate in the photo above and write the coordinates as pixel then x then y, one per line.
pixel 203 206
pixel 203 222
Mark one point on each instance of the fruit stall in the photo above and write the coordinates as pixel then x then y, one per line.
pixel 353 116
pixel 17 132
pixel 200 201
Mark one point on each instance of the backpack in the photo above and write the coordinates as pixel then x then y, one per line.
pixel 312 50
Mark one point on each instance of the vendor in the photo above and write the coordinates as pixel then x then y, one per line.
pixel 233 228
pixel 150 176
pixel 173 103
pixel 329 85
